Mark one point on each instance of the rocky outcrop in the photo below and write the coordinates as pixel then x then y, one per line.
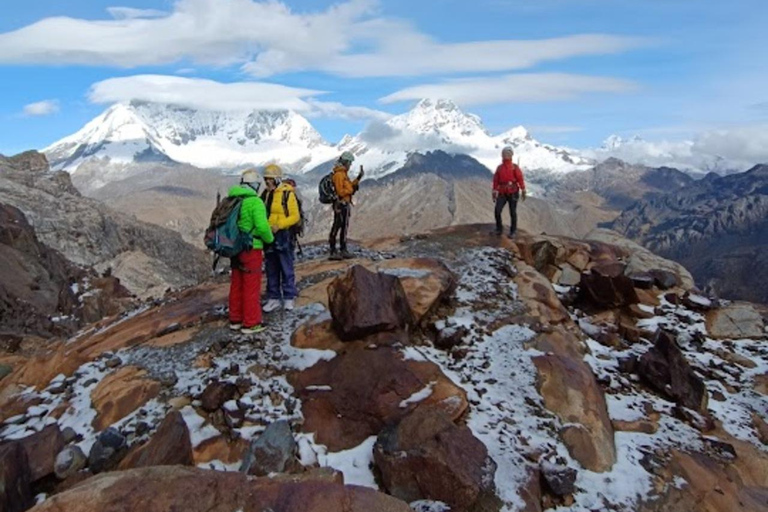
pixel 42 448
pixel 120 393
pixel 363 303
pixel 179 488
pixel 90 234
pixel 170 445
pixel 735 321
pixel 665 369
pixel 427 457
pixel 344 401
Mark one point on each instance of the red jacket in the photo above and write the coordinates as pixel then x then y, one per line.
pixel 508 178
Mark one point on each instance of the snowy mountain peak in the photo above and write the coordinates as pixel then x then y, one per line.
pixel 518 133
pixel 135 132
pixel 443 118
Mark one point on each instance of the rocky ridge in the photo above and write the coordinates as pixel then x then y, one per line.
pixel 537 373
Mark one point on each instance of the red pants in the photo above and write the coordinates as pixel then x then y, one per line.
pixel 245 289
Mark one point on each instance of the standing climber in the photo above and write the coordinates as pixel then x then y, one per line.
pixel 245 284
pixel 508 185
pixel 342 206
pixel 283 211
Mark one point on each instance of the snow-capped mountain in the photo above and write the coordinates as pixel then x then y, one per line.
pixel 139 132
pixel 441 125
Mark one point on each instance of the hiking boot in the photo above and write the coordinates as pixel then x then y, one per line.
pixel 346 255
pixel 235 327
pixel 255 329
pixel 335 256
pixel 289 305
pixel 497 233
pixel 271 305
pixel 511 234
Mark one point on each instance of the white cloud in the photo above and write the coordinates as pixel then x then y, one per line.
pixel 41 108
pixel 554 129
pixel 267 38
pixel 129 13
pixel 206 94
pixel 531 87
pixel 735 149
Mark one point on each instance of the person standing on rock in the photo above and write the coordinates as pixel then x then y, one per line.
pixel 245 284
pixel 283 211
pixel 508 185
pixel 342 207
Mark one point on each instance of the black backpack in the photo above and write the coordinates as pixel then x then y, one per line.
pixel 327 190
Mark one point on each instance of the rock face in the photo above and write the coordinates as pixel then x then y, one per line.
pixel 607 287
pixel 15 492
pixel 665 369
pixel 427 457
pixel 363 303
pixel 90 234
pixel 735 321
pixel 120 393
pixel 344 402
pixel 179 488
pixel 725 218
pixel 41 449
pixel 170 445
pixel 570 390
pixel 271 452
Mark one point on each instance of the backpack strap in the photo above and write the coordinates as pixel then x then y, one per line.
pixel 286 197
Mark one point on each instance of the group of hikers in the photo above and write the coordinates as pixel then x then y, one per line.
pixel 263 227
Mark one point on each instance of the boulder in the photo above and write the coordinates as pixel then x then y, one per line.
pixel 271 452
pixel 664 368
pixel 164 488
pixel 107 451
pixel 536 292
pixel 42 448
pixel 606 287
pixel 169 445
pixel 560 480
pixel 344 401
pixel 69 461
pixel 217 394
pixel 15 479
pixel 426 456
pixel 364 302
pixel 570 276
pixel 664 279
pixel 735 321
pixel 120 393
pixel 570 391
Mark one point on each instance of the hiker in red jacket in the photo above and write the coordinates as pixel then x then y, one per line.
pixel 508 184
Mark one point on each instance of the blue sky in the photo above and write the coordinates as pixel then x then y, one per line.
pixel 663 69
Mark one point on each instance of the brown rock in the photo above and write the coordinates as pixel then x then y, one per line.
pixel 530 491
pixel 537 294
pixel 164 488
pixel 317 333
pixel 344 401
pixel 642 426
pixel 220 448
pixel 570 390
pixel 169 445
pixel 737 320
pixel 432 283
pixel 216 394
pixel 15 479
pixel 664 368
pixel 761 427
pixel 120 393
pixel 761 384
pixel 426 456
pixel 363 303
pixel 41 449
pixel 606 287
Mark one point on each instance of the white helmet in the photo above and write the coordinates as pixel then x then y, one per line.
pixel 249 176
pixel 507 153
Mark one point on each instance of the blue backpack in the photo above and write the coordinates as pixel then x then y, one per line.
pixel 223 237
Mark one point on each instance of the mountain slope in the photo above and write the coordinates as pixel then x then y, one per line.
pixel 717 227
pixel 149 132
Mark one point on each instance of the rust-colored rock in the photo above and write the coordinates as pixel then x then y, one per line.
pixel 537 293
pixel 169 445
pixel 222 449
pixel 426 456
pixel 363 303
pixel 216 394
pixel 570 390
pixel 42 448
pixel 665 369
pixel 120 393
pixel 15 479
pixel 165 488
pixel 351 397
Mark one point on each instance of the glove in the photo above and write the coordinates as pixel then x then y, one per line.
pixel 362 173
pixel 495 195
pixel 524 195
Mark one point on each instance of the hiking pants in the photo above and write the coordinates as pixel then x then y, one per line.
pixel 341 214
pixel 281 280
pixel 501 201
pixel 245 289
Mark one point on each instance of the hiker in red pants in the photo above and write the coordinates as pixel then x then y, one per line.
pixel 245 285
